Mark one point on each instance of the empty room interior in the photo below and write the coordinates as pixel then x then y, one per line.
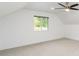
pixel 39 28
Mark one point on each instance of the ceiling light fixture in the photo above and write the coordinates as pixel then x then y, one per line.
pixel 67 9
pixel 52 8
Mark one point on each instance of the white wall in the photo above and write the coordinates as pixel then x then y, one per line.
pixel 72 31
pixel 17 29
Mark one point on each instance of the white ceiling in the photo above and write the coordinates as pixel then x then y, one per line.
pixel 9 7
pixel 71 17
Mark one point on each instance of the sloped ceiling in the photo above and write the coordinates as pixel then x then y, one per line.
pixel 71 17
pixel 9 7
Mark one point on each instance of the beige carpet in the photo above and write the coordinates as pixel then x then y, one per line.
pixel 61 47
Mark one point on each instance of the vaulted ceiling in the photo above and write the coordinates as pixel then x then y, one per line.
pixel 71 17
pixel 9 7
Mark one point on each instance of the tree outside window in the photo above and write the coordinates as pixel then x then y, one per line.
pixel 40 23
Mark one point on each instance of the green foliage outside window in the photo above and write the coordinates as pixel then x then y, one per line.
pixel 40 23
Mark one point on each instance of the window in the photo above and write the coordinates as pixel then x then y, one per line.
pixel 40 23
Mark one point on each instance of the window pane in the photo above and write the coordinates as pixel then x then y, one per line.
pixel 37 24
pixel 40 23
pixel 44 23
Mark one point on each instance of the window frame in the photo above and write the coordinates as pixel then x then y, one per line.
pixel 42 28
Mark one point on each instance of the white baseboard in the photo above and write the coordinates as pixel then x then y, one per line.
pixel 36 42
pixel 72 38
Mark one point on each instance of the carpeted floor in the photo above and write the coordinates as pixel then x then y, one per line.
pixel 61 47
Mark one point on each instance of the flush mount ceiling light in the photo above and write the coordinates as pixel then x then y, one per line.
pixel 67 7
